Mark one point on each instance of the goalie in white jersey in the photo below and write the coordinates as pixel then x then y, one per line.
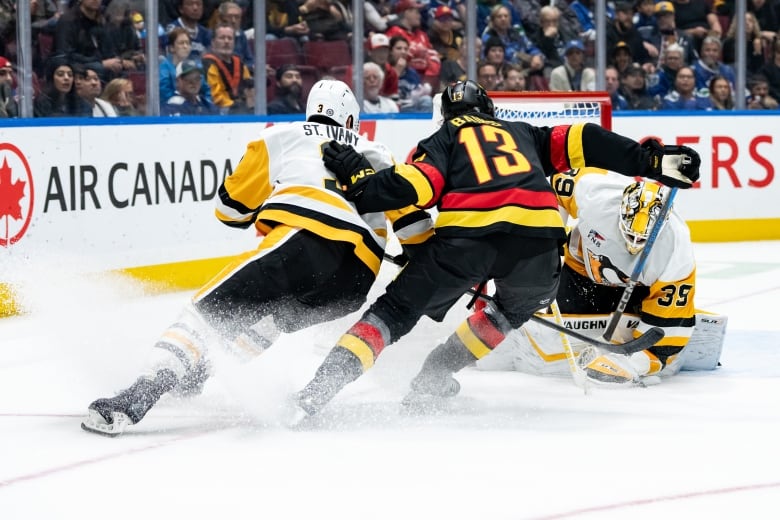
pixel 614 220
pixel 316 262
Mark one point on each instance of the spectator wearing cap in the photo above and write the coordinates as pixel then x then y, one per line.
pixel 633 89
pixel 409 26
pixel 8 105
pixel 573 75
pixel 178 49
pixel 187 100
pixel 287 95
pixel 379 53
pixel 493 49
pixel 58 98
pixel 455 8
pixel 667 33
pixel 621 57
pixel 622 29
pixel 443 33
pixel 684 95
pixel 232 88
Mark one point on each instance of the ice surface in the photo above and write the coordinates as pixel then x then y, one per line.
pixel 510 446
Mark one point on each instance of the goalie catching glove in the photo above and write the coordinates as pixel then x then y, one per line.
pixel 350 167
pixel 675 166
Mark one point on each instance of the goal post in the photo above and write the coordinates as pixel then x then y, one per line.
pixel 554 108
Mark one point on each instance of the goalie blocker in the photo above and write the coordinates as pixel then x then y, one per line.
pixel 538 350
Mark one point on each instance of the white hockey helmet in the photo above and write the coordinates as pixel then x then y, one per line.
pixel 639 209
pixel 334 99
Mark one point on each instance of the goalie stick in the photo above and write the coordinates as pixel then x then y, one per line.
pixel 640 265
pixel 643 342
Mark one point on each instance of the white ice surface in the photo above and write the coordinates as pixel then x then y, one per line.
pixel 510 446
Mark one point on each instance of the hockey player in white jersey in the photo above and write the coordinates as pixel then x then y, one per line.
pixel 614 220
pixel 316 262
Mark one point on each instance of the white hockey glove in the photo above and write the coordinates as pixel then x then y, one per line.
pixel 675 166
pixel 605 367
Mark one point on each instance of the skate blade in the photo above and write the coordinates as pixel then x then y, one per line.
pixel 95 423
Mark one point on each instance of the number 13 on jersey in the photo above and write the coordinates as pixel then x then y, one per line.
pixel 484 141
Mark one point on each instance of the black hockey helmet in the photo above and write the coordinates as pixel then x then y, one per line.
pixel 465 96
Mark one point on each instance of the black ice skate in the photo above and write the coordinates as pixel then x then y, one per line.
pixel 110 416
pixel 339 368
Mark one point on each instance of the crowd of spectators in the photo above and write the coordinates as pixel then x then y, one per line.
pixel 88 55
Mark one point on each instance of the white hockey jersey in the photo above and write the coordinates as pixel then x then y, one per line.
pixel 597 250
pixel 282 180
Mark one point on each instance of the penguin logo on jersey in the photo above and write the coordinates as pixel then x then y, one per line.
pixel 604 271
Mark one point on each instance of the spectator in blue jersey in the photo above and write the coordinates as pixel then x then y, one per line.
pixel 179 48
pixel 585 14
pixel 644 19
pixel 661 82
pixel 187 101
pixel 685 96
pixel 413 94
pixel 709 64
pixel 190 13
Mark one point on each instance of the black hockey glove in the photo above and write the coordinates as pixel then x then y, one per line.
pixel 675 166
pixel 351 168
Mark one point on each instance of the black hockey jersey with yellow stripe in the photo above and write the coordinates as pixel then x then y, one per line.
pixel 488 175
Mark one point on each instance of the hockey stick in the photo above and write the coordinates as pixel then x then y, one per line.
pixel 577 374
pixel 643 342
pixel 640 265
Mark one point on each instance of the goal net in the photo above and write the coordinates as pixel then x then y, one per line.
pixel 554 108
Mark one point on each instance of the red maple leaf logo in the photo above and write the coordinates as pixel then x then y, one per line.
pixel 11 193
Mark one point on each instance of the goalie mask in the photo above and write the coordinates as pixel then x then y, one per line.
pixel 639 209
pixel 334 100
pixel 465 96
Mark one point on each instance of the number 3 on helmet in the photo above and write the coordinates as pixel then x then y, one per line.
pixel 333 100
pixel 465 96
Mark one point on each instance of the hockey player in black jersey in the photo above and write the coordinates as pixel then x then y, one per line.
pixel 497 219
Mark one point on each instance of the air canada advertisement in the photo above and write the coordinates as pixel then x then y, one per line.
pixel 116 196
